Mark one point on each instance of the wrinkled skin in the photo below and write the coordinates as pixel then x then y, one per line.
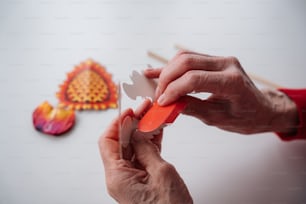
pixel 144 178
pixel 235 104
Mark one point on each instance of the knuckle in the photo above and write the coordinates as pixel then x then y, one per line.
pixel 191 77
pixel 181 52
pixel 234 79
pixel 185 60
pixel 166 169
pixel 234 61
pixel 194 80
pixel 236 76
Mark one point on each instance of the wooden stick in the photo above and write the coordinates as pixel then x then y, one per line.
pixel 157 57
pixel 251 75
pixel 263 81
pixel 180 47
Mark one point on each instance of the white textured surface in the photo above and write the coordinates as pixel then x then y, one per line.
pixel 41 40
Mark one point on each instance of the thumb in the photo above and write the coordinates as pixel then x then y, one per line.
pixel 146 152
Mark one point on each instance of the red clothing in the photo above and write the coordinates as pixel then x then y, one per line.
pixel 299 97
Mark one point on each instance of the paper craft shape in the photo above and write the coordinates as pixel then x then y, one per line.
pixel 142 86
pixel 158 117
pixel 53 121
pixel 127 128
pixel 88 86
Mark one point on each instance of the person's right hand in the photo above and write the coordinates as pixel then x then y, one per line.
pixel 235 104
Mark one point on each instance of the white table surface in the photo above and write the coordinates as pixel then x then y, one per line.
pixel 41 40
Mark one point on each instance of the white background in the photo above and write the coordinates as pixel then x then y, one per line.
pixel 42 40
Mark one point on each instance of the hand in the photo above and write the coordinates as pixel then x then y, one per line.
pixel 145 179
pixel 235 104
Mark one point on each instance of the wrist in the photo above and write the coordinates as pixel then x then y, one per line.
pixel 283 113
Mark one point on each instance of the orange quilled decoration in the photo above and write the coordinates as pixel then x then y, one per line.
pixel 53 121
pixel 88 86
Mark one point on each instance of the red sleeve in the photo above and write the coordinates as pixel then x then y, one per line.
pixel 299 97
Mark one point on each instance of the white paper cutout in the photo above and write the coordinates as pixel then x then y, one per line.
pixel 128 128
pixel 142 86
pixel 145 88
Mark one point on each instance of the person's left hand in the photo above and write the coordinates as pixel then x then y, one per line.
pixel 146 178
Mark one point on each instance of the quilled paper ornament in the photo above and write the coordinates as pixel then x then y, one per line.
pixel 53 121
pixel 88 87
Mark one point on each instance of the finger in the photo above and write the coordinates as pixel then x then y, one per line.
pixel 157 140
pixel 186 62
pixel 155 72
pixel 186 51
pixel 109 141
pixel 146 153
pixel 126 130
pixel 112 130
pixel 193 81
pixel 209 112
pixel 142 109
pixel 152 73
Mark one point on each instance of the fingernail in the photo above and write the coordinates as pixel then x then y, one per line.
pixel 161 100
pixel 157 92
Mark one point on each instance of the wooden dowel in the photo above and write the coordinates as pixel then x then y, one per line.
pixel 180 47
pixel 157 57
pixel 263 81
pixel 251 75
